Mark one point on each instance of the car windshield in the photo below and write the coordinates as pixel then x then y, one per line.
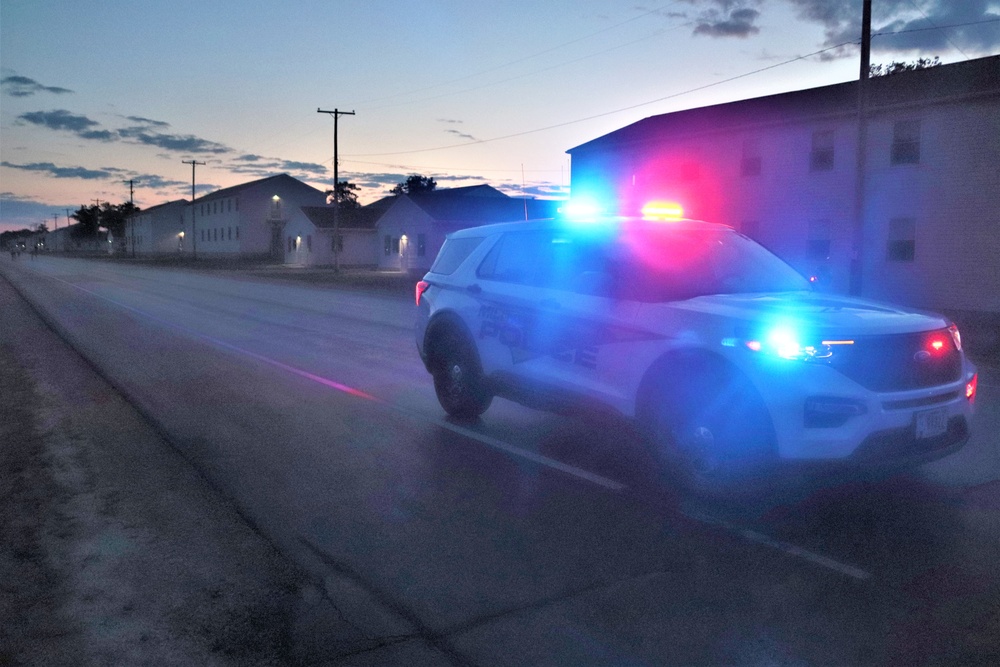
pixel 667 264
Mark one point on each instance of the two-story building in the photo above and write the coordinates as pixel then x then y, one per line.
pixel 158 230
pixel 247 220
pixel 914 217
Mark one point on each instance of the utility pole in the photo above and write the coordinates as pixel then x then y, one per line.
pixel 55 221
pixel 97 224
pixel 858 246
pixel 194 236
pixel 336 113
pixel 131 192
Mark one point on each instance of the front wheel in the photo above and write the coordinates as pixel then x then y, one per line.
pixel 458 378
pixel 713 434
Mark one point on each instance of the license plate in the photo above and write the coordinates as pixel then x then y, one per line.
pixel 931 423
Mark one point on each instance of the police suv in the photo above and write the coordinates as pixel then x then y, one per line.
pixel 718 349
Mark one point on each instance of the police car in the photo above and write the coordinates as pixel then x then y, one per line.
pixel 718 349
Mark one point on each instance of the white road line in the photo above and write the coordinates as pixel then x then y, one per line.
pixel 786 547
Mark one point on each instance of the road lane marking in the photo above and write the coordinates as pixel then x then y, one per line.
pixel 779 545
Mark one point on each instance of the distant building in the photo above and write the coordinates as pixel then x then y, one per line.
pixel 413 227
pixel 247 220
pixel 158 230
pixel 784 170
pixel 70 239
pixel 311 240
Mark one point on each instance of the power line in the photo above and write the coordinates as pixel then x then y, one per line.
pixel 667 97
pixel 521 59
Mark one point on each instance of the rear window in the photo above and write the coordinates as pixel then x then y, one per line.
pixel 453 253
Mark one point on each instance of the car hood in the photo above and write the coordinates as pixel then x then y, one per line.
pixel 826 313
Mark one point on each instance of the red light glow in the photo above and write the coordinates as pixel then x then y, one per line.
pixel 970 388
pixel 421 288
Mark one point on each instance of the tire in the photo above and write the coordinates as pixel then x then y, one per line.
pixel 458 377
pixel 711 431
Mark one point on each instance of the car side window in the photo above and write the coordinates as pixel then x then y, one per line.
pixel 453 253
pixel 516 258
pixel 552 261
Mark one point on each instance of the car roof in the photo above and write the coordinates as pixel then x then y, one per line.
pixel 569 224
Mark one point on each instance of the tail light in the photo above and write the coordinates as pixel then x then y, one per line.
pixel 421 288
pixel 970 388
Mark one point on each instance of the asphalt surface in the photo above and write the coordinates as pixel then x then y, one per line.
pixel 527 538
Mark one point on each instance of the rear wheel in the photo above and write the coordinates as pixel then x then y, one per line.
pixel 458 377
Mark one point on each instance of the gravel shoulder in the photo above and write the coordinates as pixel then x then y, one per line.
pixel 115 549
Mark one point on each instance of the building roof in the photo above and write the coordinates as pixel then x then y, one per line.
pixel 144 211
pixel 236 189
pixel 364 217
pixel 480 204
pixel 943 83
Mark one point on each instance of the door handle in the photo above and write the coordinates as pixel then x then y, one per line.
pixel 474 288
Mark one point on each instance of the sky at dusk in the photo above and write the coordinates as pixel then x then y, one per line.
pixel 96 93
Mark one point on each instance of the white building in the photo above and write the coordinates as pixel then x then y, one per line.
pixel 247 220
pixel 158 230
pixel 413 227
pixel 785 170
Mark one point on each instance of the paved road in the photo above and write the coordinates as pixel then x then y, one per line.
pixel 527 538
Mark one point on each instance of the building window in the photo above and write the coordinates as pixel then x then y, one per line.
pixel 421 245
pixel 906 142
pixel 202 235
pixel 388 244
pixel 821 158
pixel 291 245
pixel 237 232
pixel 237 203
pixel 395 246
pixel 309 242
pixel 229 205
pixel 229 233
pixel 750 165
pixel 902 240
pixel 818 245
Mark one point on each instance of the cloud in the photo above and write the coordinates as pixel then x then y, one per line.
pixel 69 122
pixel 66 172
pixel 179 143
pixel 737 23
pixel 81 126
pixel 462 135
pixel 22 86
pixel 726 18
pixel 924 25
pixel 24 213
pixel 147 121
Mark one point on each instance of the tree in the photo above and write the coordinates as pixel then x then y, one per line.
pixel 113 217
pixel 895 67
pixel 413 185
pixel 346 195
pixel 107 215
pixel 89 218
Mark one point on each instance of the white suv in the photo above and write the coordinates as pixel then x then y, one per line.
pixel 718 349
